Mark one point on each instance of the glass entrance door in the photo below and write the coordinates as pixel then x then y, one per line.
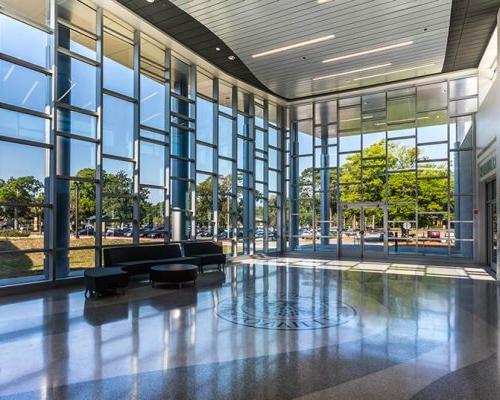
pixel 364 230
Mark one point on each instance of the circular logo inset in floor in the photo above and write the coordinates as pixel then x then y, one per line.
pixel 284 311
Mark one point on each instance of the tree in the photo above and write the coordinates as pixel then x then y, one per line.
pixel 21 190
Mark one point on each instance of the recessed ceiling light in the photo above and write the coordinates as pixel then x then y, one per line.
pixel 323 1
pixel 352 71
pixel 150 1
pixel 362 53
pixel 394 72
pixel 293 46
pixel 231 58
pixel 217 49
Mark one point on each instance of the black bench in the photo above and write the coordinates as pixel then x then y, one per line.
pixel 139 259
pixel 208 253
pixel 101 280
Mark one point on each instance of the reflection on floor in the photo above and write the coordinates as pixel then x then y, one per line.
pixel 264 329
pixel 446 271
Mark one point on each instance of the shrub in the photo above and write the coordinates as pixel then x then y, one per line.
pixel 13 233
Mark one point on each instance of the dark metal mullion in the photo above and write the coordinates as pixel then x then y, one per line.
pixel 137 154
pixel 99 148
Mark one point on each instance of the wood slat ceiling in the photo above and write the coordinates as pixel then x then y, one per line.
pixel 248 27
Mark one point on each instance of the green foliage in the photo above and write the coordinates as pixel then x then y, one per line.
pixel 13 233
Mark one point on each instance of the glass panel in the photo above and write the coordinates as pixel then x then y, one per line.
pixel 154 135
pixel 401 130
pixel 24 126
pixel 204 158
pixel 350 119
pixel 153 103
pixel 304 138
pixel 23 87
pixel 118 127
pixel 402 187
pixel 461 170
pixel 225 98
pixel 243 102
pixel 432 97
pixel 14 166
pixel 76 123
pixel 82 158
pixel 273 137
pixel 204 205
pixel 35 10
pixel 259 116
pixel 433 194
pixel 273 114
pixel 325 113
pixel 180 78
pixel 463 87
pixel 325 135
pixel 225 137
pixel 16 265
pixel 461 131
pixel 118 65
pixel 204 85
pixel 118 177
pixel 373 102
pixel 204 120
pixel 181 143
pixel 432 127
pixel 401 109
pixel 30 44
pixel 77 42
pixel 152 215
pixel 78 13
pixel 152 169
pixel 303 111
pixel 243 125
pixel 465 106
pixel 433 151
pixel 76 83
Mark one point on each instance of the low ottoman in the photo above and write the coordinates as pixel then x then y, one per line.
pixel 101 280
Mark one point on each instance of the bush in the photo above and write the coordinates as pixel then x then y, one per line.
pixel 13 233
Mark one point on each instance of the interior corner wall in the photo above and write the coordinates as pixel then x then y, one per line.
pixel 488 142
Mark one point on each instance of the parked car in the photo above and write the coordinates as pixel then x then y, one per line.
pixel 433 234
pixel 117 232
pixel 87 231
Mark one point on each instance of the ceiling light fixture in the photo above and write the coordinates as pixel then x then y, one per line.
pixel 293 46
pixel 371 51
pixel 323 1
pixel 352 72
pixel 231 58
pixel 394 72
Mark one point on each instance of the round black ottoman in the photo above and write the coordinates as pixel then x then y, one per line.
pixel 173 273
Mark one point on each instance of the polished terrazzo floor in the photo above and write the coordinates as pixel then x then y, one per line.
pixel 263 329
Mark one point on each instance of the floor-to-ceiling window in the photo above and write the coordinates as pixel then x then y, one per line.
pixel 385 173
pixel 138 145
pixel 26 143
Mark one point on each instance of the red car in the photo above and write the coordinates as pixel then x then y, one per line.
pixel 433 234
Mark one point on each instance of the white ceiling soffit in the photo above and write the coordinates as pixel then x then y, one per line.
pixel 254 26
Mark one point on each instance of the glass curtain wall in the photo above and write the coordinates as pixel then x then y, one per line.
pixel 127 144
pixel 391 170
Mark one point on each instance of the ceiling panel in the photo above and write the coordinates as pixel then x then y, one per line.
pixel 255 26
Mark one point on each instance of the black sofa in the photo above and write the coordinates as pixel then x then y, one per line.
pixel 207 252
pixel 139 259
